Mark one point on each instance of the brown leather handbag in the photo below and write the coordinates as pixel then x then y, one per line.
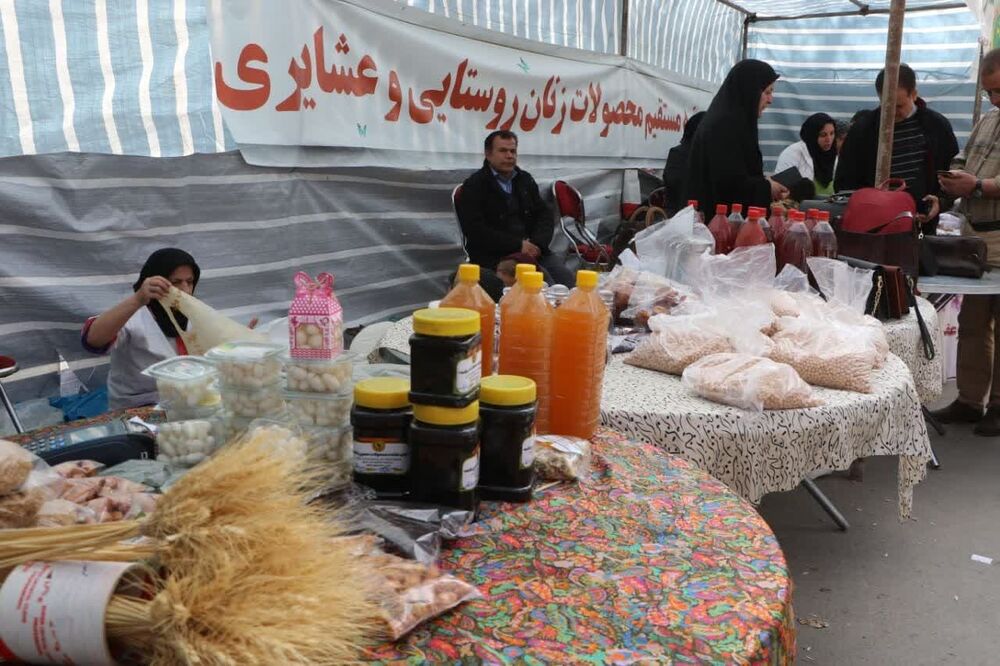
pixel 960 256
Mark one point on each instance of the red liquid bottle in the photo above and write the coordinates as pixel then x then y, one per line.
pixel 751 232
pixel 736 219
pixel 694 204
pixel 812 218
pixel 778 224
pixel 824 240
pixel 721 231
pixel 796 247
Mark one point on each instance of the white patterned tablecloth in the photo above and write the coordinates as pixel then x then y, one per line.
pixel 757 454
pixel 903 336
pixel 772 452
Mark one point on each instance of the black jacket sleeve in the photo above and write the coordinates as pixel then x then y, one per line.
pixel 482 233
pixel 731 173
pixel 542 225
pixel 849 162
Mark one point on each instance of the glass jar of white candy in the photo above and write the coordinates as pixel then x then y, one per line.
pixel 307 375
pixel 250 365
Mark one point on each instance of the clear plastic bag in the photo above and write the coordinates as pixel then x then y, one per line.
pixel 206 327
pixel 560 458
pixel 61 513
pixel 748 382
pixel 127 506
pixel 678 341
pixel 745 270
pixel 652 295
pixel 841 284
pixel 78 469
pixel 413 593
pixel 826 353
pixel 671 247
pixel 16 464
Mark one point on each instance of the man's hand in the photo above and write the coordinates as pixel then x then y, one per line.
pixel 932 210
pixel 778 191
pixel 530 249
pixel 958 184
pixel 155 287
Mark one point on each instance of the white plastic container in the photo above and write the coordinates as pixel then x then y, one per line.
pixel 319 409
pixel 251 365
pixel 185 382
pixel 319 375
pixel 253 403
pixel 187 443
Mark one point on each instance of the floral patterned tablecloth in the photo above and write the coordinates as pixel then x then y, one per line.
pixel 650 560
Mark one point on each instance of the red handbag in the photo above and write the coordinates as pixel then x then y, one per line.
pixel 880 210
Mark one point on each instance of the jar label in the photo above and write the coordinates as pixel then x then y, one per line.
pixel 528 452
pixel 470 472
pixel 381 456
pixel 469 372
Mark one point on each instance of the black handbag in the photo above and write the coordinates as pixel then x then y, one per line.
pixel 892 296
pixel 959 256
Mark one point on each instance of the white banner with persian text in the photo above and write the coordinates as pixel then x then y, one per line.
pixel 324 82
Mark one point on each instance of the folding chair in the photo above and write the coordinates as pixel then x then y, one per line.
pixel 658 198
pixel 573 223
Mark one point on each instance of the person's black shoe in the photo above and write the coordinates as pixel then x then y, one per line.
pixel 989 425
pixel 958 412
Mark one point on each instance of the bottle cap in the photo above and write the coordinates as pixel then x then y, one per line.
pixel 521 269
pixel 824 216
pixel 507 390
pixel 446 322
pixel 382 393
pixel 586 279
pixel 447 416
pixel 532 280
pixel 468 273
pixel 721 209
pixel 693 203
pixel 737 208
pixel 813 212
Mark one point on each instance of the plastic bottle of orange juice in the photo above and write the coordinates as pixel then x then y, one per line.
pixel 519 270
pixel 525 339
pixel 468 294
pixel 579 351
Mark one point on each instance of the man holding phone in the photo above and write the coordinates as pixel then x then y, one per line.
pixel 975 177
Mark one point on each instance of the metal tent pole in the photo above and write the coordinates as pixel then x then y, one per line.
pixel 887 124
pixel 977 105
pixel 623 42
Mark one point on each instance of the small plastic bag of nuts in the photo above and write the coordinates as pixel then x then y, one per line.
pixel 412 593
pixel 678 341
pixel 561 458
pixel 748 382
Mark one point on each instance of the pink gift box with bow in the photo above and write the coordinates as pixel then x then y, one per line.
pixel 315 319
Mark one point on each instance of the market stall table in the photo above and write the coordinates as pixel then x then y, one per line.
pixel 756 454
pixel 649 559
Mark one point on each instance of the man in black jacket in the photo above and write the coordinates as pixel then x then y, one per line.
pixel 502 213
pixel 923 144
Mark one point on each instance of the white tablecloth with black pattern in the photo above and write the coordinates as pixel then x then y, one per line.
pixel 903 336
pixel 772 452
pixel 756 454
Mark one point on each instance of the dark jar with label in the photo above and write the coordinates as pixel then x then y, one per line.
pixel 444 455
pixel 445 357
pixel 507 443
pixel 381 418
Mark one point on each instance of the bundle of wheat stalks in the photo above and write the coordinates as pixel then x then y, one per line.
pixel 248 572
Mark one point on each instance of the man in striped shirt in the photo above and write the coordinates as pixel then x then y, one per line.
pixel 975 177
pixel 923 143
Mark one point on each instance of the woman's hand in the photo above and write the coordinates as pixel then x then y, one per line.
pixel 778 191
pixel 155 287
